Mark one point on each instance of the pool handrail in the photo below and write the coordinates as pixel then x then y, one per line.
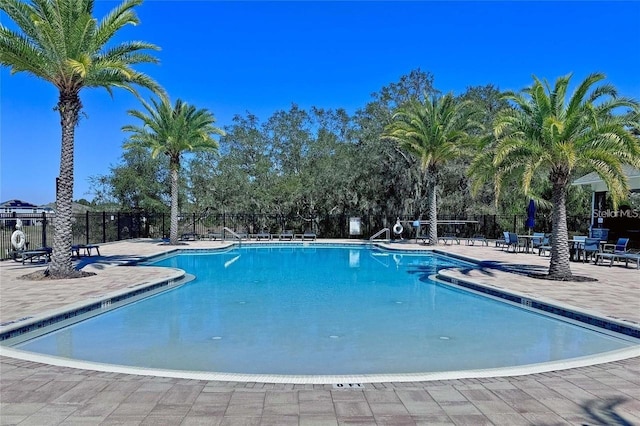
pixel 226 229
pixel 380 232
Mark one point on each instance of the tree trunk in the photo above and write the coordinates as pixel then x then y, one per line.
pixel 69 107
pixel 173 232
pixel 559 267
pixel 433 214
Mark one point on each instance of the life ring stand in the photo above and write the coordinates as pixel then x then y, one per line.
pixel 397 229
pixel 18 239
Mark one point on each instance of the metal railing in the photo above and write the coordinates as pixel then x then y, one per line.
pixel 380 232
pixel 238 237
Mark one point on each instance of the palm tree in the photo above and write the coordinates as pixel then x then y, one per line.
pixel 434 132
pixel 172 130
pixel 61 42
pixel 549 134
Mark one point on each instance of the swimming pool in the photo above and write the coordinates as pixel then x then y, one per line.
pixel 321 310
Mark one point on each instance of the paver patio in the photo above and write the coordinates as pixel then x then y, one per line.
pixel 35 393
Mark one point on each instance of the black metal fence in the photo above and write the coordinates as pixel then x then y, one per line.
pixel 103 227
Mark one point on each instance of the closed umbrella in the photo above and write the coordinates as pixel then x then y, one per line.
pixel 531 215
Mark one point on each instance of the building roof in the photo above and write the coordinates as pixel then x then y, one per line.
pixel 17 204
pixel 598 185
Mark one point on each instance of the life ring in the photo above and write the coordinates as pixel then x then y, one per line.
pixel 18 239
pixel 397 229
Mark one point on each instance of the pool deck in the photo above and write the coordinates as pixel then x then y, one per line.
pixel 33 393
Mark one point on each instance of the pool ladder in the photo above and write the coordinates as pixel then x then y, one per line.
pixel 238 237
pixel 380 232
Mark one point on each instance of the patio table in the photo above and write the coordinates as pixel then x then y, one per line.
pixel 527 239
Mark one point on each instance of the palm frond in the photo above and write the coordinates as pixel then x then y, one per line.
pixel 172 129
pixel 61 42
pixel 116 19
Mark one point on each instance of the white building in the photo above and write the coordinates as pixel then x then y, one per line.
pixel 30 214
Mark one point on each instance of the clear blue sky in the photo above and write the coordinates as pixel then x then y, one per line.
pixel 234 57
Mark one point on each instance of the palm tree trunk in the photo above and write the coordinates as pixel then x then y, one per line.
pixel 559 267
pixel 69 107
pixel 433 214
pixel 173 232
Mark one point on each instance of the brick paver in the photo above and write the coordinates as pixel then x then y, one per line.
pixel 41 394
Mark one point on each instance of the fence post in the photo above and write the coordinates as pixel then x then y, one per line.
pixel 515 217
pixel 118 227
pixel 194 224
pixel 87 225
pixel 44 229
pixel 485 231
pixel 104 226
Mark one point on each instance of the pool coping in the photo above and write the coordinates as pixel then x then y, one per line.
pixel 554 307
pixel 520 370
pixel 12 330
pixel 70 312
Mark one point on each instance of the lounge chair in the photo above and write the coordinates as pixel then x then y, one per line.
pixel 309 235
pixel 286 235
pixel 189 236
pixel 449 238
pixel 633 256
pixel 424 238
pixel 613 252
pixel 477 239
pixel 39 254
pixel 264 235
pixel 86 249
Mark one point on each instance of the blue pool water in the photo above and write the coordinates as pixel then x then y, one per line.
pixel 320 310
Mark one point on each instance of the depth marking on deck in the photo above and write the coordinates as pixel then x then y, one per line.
pixel 348 386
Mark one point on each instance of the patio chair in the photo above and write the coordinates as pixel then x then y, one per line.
pixel 590 248
pixel 537 240
pixel 577 244
pixel 504 242
pixel 546 245
pixel 613 252
pixel 515 242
